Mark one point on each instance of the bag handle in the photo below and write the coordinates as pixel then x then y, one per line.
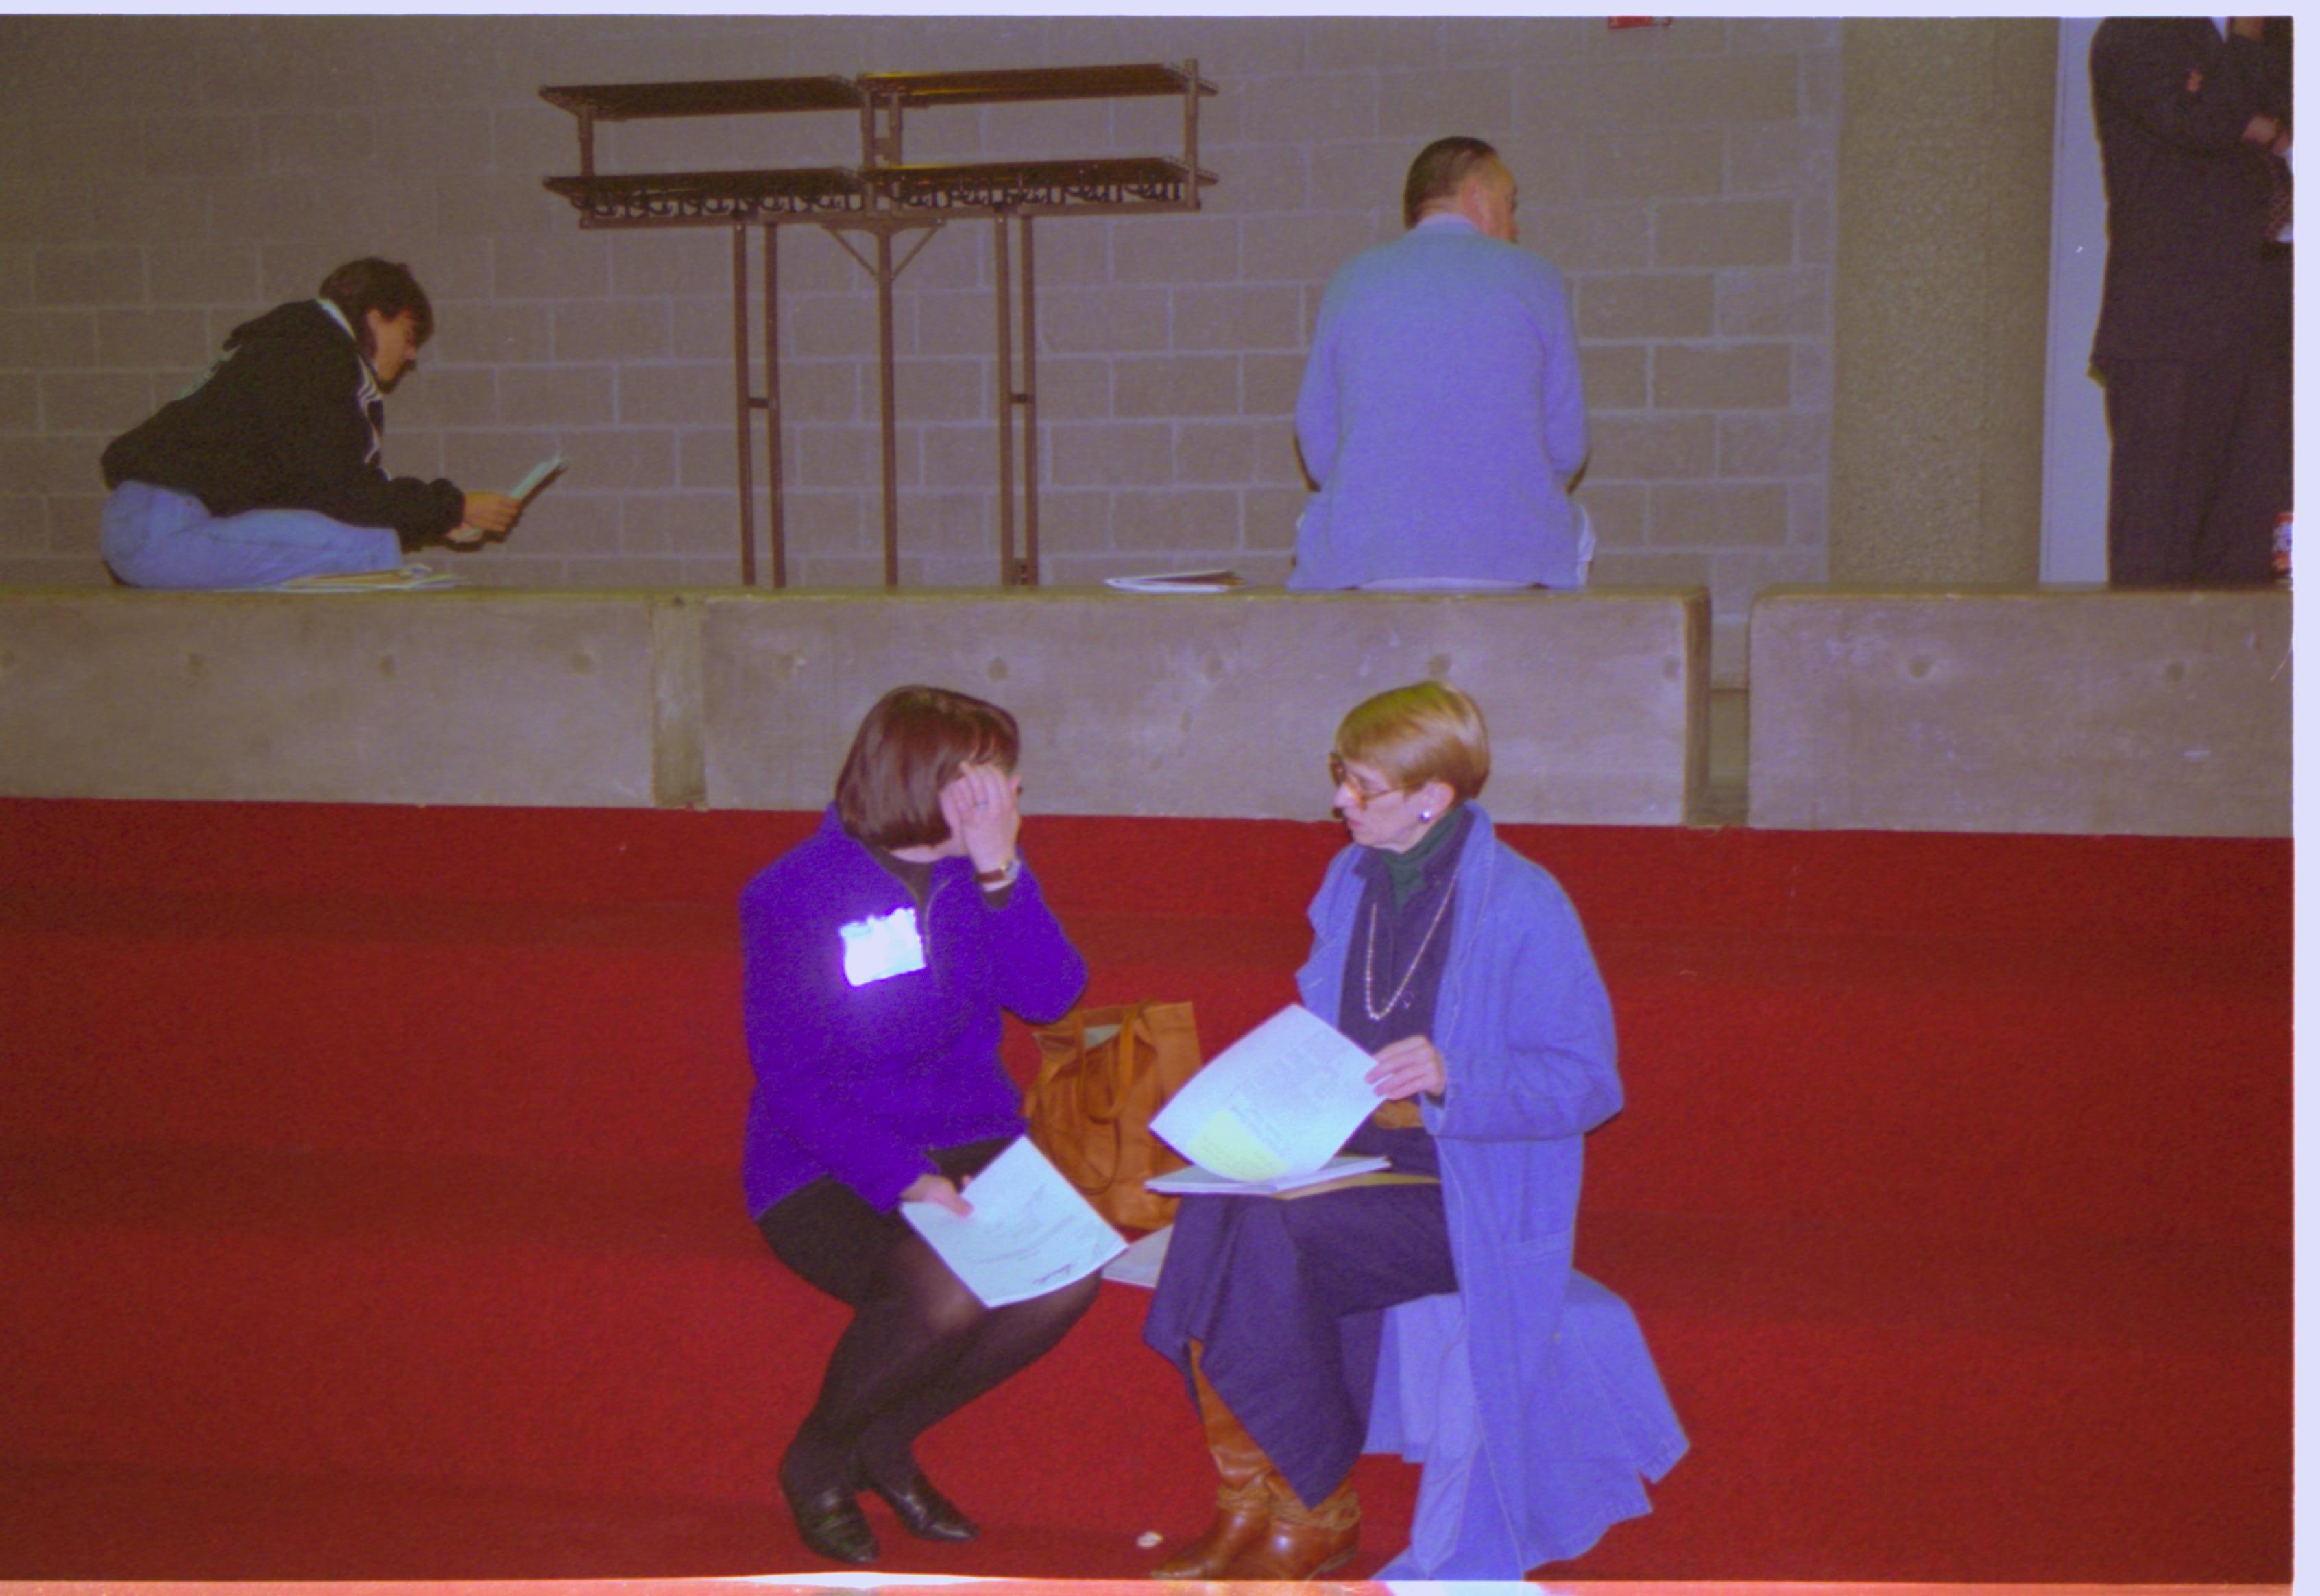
pixel 1109 1176
pixel 1130 1018
pixel 1065 1043
pixel 1097 1085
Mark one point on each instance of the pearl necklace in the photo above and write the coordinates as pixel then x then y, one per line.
pixel 1369 960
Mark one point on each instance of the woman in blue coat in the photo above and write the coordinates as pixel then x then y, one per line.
pixel 1435 1313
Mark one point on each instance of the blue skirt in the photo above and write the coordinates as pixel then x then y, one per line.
pixel 1283 1295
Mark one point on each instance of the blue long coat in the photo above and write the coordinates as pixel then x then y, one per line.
pixel 1529 1396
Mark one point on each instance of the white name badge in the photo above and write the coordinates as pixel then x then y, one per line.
pixel 883 946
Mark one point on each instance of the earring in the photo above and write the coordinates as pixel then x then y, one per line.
pixel 1427 815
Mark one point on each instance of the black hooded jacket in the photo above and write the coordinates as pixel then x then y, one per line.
pixel 279 425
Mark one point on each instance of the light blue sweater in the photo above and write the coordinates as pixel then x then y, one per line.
pixel 1441 412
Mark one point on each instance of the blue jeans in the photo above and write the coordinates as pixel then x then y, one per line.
pixel 156 537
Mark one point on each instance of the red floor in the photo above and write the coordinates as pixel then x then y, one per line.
pixel 371 1207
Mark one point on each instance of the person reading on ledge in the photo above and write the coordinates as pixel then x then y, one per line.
pixel 269 468
pixel 1313 1329
pixel 876 957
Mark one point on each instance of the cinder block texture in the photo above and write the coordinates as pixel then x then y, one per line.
pixel 1224 705
pixel 1682 176
pixel 388 698
pixel 1686 178
pixel 2149 713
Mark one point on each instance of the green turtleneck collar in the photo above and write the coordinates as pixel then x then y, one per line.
pixel 1407 870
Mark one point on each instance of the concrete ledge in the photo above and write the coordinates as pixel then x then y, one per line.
pixel 1223 706
pixel 455 697
pixel 1212 706
pixel 2058 710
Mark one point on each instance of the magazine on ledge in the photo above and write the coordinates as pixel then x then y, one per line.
pixel 401 580
pixel 1177 582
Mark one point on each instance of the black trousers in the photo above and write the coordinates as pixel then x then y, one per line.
pixel 920 1345
pixel 2202 456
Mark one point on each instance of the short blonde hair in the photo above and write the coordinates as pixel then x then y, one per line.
pixel 1424 732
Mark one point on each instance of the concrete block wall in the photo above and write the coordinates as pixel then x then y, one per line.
pixel 1132 706
pixel 162 178
pixel 2065 710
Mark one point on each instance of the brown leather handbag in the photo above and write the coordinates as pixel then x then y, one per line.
pixel 1103 1073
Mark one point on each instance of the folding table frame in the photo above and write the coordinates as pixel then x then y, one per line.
pixel 884 197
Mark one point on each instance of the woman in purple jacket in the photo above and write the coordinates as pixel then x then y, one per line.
pixel 876 957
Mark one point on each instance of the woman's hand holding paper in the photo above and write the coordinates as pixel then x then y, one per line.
pixel 1407 1067
pixel 939 1191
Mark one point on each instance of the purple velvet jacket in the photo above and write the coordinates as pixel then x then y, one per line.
pixel 858 1083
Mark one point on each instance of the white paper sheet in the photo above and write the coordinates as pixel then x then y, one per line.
pixel 401 579
pixel 1280 1101
pixel 1196 1181
pixel 536 476
pixel 1176 582
pixel 1029 1234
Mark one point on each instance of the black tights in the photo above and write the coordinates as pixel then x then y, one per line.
pixel 920 1345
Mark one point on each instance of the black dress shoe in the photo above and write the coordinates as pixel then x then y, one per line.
pixel 925 1511
pixel 831 1524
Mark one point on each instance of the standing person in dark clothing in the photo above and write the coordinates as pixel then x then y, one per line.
pixel 269 469
pixel 876 957
pixel 2194 345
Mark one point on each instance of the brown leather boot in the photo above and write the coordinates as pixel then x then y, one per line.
pixel 1302 1543
pixel 1244 1503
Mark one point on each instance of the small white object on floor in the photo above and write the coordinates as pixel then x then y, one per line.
pixel 1140 1264
pixel 1148 1539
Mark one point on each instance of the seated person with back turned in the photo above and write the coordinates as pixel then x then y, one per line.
pixel 1434 1313
pixel 269 468
pixel 1441 410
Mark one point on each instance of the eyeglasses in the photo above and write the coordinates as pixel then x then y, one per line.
pixel 1339 777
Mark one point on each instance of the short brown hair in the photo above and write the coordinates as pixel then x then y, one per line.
pixel 385 287
pixel 910 746
pixel 1426 731
pixel 1440 170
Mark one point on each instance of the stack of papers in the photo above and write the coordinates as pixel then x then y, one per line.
pixel 1269 1112
pixel 401 579
pixel 1185 1182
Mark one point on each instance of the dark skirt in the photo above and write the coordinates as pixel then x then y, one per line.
pixel 1282 1295
pixel 836 1243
